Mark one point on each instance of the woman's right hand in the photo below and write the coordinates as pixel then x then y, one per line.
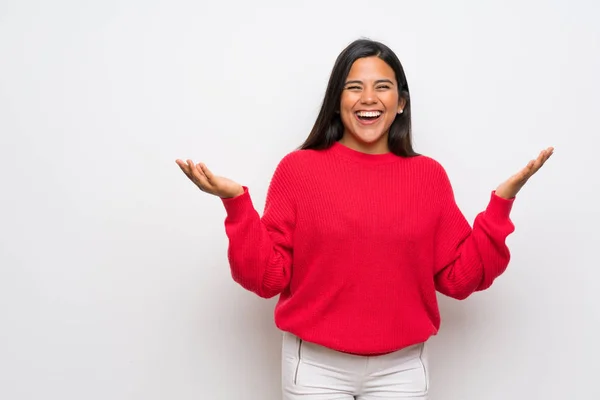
pixel 209 183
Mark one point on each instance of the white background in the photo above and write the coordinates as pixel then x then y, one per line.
pixel 114 282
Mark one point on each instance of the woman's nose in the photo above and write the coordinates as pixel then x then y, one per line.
pixel 368 97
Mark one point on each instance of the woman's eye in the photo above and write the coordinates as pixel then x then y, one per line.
pixel 353 88
pixel 383 87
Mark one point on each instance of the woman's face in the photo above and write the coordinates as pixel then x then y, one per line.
pixel 369 104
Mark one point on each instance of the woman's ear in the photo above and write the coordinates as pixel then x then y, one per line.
pixel 401 105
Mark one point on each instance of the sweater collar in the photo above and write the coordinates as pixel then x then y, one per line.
pixel 342 150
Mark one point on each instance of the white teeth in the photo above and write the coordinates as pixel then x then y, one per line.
pixel 369 114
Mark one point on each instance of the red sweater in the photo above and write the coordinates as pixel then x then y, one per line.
pixel 356 245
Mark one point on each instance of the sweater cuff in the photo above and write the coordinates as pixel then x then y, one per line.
pixel 237 207
pixel 498 207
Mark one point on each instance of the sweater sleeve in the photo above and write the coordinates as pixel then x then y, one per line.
pixel 260 249
pixel 470 259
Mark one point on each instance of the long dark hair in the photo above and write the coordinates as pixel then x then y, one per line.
pixel 328 127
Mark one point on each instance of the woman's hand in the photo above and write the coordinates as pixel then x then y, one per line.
pixel 510 188
pixel 209 183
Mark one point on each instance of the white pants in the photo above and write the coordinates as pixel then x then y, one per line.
pixel 313 372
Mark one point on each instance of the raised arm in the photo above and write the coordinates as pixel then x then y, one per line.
pixel 470 259
pixel 260 249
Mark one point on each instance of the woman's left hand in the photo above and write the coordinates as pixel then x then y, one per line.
pixel 510 188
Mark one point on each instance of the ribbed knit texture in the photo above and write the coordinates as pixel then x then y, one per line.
pixel 356 245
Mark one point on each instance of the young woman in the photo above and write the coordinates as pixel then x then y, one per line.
pixel 357 235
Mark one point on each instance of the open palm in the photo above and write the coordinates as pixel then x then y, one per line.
pixel 509 188
pixel 206 181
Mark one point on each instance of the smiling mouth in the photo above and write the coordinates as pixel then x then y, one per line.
pixel 368 116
